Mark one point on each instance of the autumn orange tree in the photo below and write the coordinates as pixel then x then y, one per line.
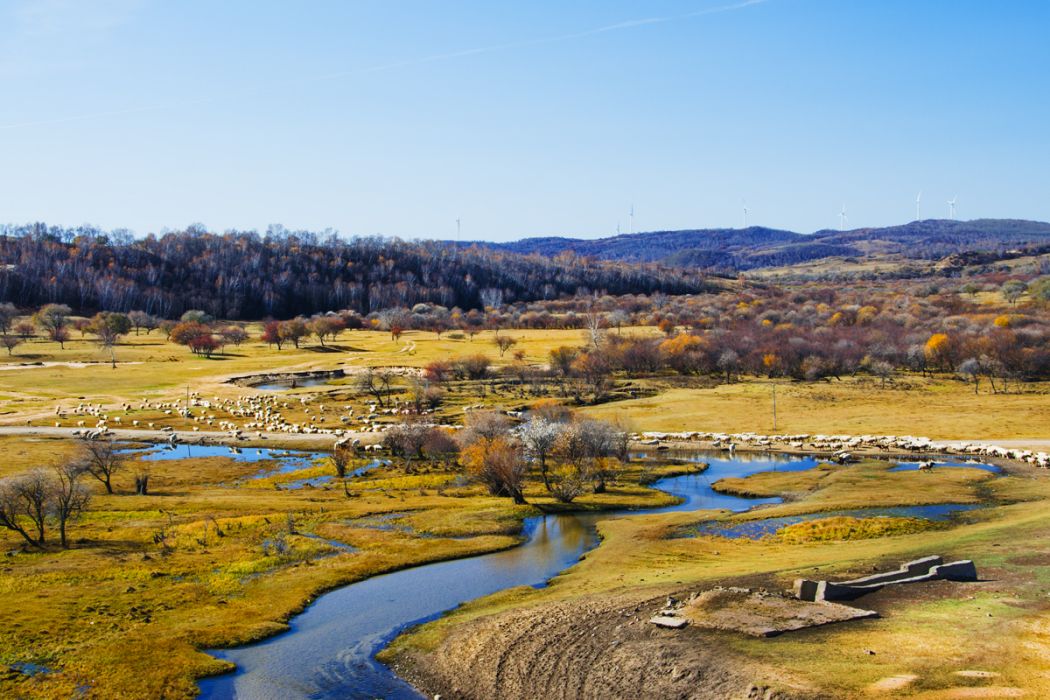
pixel 684 352
pixel 940 351
pixel 499 465
pixel 492 455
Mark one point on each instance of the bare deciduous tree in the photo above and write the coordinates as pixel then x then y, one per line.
pixel 538 437
pixel 102 459
pixel 24 505
pixel 376 383
pixel 342 455
pixel 504 343
pixel 68 497
pixel 10 342
pixel 8 314
pixel 54 318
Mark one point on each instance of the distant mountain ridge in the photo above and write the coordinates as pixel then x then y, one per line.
pixel 757 246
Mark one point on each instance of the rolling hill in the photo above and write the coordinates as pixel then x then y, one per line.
pixel 759 247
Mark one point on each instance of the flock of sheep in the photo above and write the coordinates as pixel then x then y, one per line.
pixel 263 414
pixel 258 414
pixel 843 446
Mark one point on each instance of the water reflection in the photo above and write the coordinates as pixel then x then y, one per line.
pixel 298 383
pixel 330 648
pixel 696 491
pixel 289 460
pixel 915 466
pixel 328 653
pixel 286 461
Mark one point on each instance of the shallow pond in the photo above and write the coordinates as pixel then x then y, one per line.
pixel 285 461
pixel 329 651
pixel 286 384
pixel 288 460
pixel 953 464
pixel 756 529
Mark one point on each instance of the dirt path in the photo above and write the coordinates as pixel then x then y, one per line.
pixel 9 367
pixel 588 648
pixel 209 437
pixel 214 437
pixel 1026 444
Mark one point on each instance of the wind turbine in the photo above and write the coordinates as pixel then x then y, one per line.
pixel 745 216
pixel 457 228
pixel 843 218
pixel 632 218
pixel 951 207
pixel 918 200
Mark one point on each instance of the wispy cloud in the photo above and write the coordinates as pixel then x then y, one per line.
pixel 38 37
pixel 49 21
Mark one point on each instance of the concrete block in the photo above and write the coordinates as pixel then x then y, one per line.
pixel 838 591
pixel 805 589
pixel 675 623
pixel 925 569
pixel 922 566
pixel 964 570
pixel 910 570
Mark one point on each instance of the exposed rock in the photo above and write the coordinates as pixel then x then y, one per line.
pixel 764 614
pixel 675 623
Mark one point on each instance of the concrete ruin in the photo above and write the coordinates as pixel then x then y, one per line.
pixel 930 568
pixel 754 613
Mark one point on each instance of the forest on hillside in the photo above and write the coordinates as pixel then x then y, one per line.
pixel 245 275
pixel 756 246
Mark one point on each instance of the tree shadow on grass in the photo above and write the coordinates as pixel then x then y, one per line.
pixel 333 348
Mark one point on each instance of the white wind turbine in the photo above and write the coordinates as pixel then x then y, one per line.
pixel 843 218
pixel 918 201
pixel 951 207
pixel 745 216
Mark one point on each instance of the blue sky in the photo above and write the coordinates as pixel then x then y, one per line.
pixel 539 118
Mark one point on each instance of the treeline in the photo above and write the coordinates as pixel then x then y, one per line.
pixel 816 332
pixel 245 275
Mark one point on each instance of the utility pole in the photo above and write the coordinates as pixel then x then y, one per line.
pixel 774 408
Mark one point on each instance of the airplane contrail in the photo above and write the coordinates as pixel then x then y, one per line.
pixel 406 63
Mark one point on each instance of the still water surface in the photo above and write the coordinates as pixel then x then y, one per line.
pixel 298 383
pixel 329 650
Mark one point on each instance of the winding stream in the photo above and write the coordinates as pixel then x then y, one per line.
pixel 329 650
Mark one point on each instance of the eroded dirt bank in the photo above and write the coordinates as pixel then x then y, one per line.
pixel 589 648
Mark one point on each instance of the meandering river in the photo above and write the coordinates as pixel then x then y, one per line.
pixel 329 650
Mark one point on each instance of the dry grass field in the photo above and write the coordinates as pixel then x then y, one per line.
pixel 151 368
pixel 217 555
pixel 224 551
pixel 931 636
